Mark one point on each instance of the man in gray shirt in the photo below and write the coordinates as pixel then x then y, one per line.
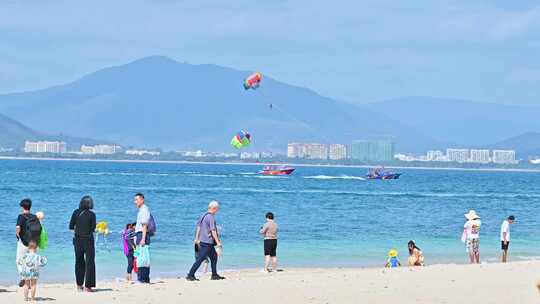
pixel 141 232
pixel 207 238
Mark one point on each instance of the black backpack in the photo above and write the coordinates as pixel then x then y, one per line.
pixel 33 228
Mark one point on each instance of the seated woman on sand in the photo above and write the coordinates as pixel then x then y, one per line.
pixel 416 258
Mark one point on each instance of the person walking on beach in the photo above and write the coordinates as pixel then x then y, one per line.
pixel 269 232
pixel 142 233
pixel 196 248
pixel 28 228
pixel 471 236
pixel 505 236
pixel 83 224
pixel 207 237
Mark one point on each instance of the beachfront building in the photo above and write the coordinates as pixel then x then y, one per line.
pixel 142 152
pixel 295 150
pixel 480 156
pixel 55 147
pixel 101 149
pixel 372 150
pixel 308 151
pixel 337 151
pixel 458 155
pixel 504 156
pixel 409 157
pixel 197 153
pixel 436 155
pixel 316 151
pixel 267 155
pixel 250 155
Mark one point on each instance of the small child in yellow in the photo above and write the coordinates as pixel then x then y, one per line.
pixel 392 261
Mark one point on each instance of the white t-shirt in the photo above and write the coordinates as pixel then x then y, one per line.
pixel 143 217
pixel 505 227
pixel 473 229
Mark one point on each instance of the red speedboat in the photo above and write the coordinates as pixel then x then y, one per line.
pixel 277 170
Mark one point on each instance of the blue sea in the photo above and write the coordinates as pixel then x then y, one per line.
pixel 328 217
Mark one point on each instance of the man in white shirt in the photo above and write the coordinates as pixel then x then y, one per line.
pixel 505 236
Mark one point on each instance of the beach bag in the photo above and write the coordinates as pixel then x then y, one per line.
pixel 151 229
pixel 33 228
pixel 43 239
pixel 143 256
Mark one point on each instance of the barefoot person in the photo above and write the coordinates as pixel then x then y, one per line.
pixel 471 236
pixel 30 263
pixel 128 245
pixel 28 228
pixel 207 237
pixel 505 236
pixel 83 224
pixel 143 231
pixel 269 232
pixel 416 257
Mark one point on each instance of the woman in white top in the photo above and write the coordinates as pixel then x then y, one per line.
pixel 471 236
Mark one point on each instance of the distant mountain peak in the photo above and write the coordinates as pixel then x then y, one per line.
pixel 158 101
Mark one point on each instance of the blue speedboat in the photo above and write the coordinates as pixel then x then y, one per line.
pixel 381 173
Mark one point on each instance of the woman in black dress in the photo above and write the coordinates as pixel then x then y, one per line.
pixel 83 223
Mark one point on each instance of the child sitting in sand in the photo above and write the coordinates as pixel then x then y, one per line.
pixel 392 261
pixel 29 265
pixel 129 245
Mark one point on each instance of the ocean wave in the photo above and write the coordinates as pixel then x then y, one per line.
pixel 122 173
pixel 335 177
pixel 527 258
pixel 208 175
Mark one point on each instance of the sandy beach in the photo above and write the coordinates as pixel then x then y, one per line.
pixel 487 283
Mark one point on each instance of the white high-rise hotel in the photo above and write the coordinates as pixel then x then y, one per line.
pixel 458 155
pixel 337 151
pixel 480 156
pixel 504 156
pixel 309 151
pixel 44 147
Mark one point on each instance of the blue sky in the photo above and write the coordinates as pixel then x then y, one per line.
pixel 359 51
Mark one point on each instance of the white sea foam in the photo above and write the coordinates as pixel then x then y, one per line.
pixel 122 173
pixel 208 175
pixel 335 177
pixel 271 176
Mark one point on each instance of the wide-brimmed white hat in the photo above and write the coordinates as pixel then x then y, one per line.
pixel 472 215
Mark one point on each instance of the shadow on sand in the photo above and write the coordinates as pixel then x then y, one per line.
pixel 44 299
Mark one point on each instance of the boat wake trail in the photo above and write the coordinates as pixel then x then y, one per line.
pixel 335 177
